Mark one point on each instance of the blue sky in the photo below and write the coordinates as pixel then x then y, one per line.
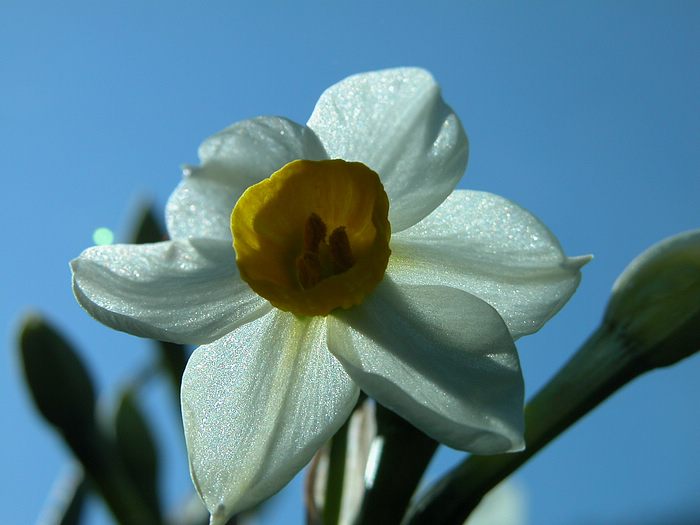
pixel 586 113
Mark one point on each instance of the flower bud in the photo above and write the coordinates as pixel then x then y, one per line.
pixel 655 304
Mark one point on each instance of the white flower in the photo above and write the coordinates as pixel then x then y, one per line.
pixel 431 338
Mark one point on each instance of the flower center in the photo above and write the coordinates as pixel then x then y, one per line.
pixel 321 259
pixel 314 236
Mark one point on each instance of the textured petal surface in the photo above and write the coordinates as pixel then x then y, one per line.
pixel 185 291
pixel 492 248
pixel 396 122
pixel 440 358
pixel 233 159
pixel 256 406
pixel 505 504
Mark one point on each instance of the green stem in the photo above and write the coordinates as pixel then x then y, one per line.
pixel 599 368
pixel 336 476
pixel 402 454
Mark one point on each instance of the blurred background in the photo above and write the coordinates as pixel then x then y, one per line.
pixel 585 113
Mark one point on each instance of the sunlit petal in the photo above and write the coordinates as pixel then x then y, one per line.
pixel 439 357
pixel 232 160
pixel 180 291
pixel 257 404
pixel 490 247
pixel 396 122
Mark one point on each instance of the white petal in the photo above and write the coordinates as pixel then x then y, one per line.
pixel 506 504
pixel 232 160
pixel 200 207
pixel 490 247
pixel 440 358
pixel 361 431
pixel 185 291
pixel 257 404
pixel 396 122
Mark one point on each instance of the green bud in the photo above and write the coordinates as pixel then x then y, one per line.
pixel 655 303
pixel 57 379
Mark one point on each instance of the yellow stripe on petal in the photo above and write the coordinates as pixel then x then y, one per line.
pixel 314 236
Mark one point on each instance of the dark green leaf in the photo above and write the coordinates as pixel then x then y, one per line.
pixel 173 359
pixel 57 379
pixel 137 449
pixel 148 227
pixel 63 393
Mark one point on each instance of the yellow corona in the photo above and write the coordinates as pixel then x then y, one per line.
pixel 314 236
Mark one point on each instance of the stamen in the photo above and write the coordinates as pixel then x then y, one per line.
pixel 321 259
pixel 341 254
pixel 309 270
pixel 314 233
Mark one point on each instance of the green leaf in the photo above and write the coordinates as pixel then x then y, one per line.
pixel 137 449
pixel 58 380
pixel 148 228
pixel 173 360
pixel 64 394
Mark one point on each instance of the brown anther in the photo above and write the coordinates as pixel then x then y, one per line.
pixel 321 259
pixel 341 254
pixel 314 233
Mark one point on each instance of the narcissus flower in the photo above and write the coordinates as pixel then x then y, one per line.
pixel 368 271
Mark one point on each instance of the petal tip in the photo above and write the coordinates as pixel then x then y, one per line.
pixel 219 516
pixel 518 446
pixel 188 170
pixel 578 262
pixel 418 72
